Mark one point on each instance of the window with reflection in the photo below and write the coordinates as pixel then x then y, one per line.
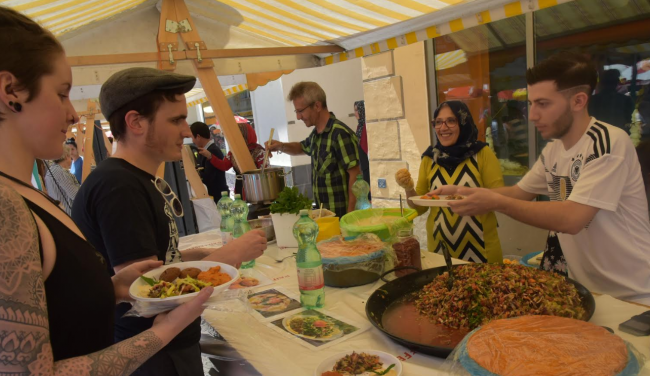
pixel 616 36
pixel 485 67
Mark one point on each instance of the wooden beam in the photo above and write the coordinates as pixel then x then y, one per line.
pixel 270 51
pixel 152 57
pixel 217 98
pixel 89 154
pixel 161 170
pixel 166 41
pixel 142 57
pixel 191 174
pixel 107 144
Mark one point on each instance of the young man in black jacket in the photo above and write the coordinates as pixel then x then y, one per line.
pixel 127 213
pixel 211 176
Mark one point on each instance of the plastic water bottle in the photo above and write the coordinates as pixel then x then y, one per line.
pixel 227 220
pixel 308 260
pixel 360 189
pixel 239 211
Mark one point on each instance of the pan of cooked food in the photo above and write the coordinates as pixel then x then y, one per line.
pixel 182 281
pixel 422 311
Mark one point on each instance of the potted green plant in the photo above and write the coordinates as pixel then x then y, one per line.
pixel 284 213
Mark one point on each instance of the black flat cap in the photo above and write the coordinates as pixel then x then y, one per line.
pixel 130 84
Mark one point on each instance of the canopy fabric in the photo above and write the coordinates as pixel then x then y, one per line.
pixel 202 98
pixel 478 13
pixel 291 22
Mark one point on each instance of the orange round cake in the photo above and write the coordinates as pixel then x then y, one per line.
pixel 547 346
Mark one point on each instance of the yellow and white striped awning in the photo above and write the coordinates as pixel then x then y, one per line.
pixel 492 14
pixel 290 22
pixel 362 27
pixel 450 59
pixel 228 91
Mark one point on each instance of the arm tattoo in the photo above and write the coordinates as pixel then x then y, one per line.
pixel 120 359
pixel 24 327
pixel 25 347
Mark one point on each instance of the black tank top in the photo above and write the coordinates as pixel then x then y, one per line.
pixel 79 292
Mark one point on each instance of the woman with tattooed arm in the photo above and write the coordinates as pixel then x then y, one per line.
pixel 56 298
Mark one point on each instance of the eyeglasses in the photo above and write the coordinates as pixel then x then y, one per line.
pixel 166 190
pixel 300 111
pixel 450 123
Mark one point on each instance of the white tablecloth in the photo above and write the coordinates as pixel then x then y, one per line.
pixel 272 355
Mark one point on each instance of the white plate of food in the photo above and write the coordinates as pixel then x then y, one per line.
pixel 181 282
pixel 439 201
pixel 363 362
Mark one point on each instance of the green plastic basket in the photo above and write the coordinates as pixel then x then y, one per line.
pixel 350 226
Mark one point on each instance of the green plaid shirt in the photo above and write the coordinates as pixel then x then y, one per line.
pixel 333 153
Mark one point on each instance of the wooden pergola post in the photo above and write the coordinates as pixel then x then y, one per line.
pixel 175 19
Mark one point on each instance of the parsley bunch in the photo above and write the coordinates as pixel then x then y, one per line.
pixel 291 201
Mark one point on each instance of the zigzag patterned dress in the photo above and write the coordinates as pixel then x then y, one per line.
pixel 470 238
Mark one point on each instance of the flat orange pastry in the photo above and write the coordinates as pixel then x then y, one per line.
pixel 547 346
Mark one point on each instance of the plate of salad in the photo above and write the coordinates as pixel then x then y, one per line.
pixel 360 363
pixel 312 327
pixel 181 282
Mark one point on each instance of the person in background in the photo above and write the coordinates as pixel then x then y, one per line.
pixel 598 214
pixel 56 297
pixel 332 145
pixel 128 213
pixel 212 177
pixel 77 166
pixel 643 151
pixel 225 164
pixel 457 158
pixel 61 185
pixel 609 105
pixel 362 136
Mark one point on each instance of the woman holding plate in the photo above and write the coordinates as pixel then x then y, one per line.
pixel 458 158
pixel 59 298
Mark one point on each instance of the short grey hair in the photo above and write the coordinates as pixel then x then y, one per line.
pixel 310 91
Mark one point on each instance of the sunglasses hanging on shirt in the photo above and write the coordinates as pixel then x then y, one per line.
pixel 166 191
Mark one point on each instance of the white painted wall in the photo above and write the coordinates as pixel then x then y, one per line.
pixel 342 84
pixel 194 114
pixel 268 111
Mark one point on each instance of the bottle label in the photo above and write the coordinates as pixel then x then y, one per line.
pixel 311 278
pixel 226 237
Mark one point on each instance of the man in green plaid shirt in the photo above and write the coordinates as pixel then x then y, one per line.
pixel 332 146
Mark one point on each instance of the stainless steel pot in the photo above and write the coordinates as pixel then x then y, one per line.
pixel 265 187
pixel 264 224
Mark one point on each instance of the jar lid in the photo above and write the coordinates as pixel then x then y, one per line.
pixel 405 232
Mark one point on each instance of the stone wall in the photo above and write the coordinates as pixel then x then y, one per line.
pixel 397 121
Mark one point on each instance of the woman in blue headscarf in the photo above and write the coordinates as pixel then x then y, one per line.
pixel 458 158
pixel 360 114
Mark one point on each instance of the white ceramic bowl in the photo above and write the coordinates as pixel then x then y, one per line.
pixel 385 358
pixel 138 284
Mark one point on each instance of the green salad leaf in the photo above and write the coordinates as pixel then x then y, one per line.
pixel 150 281
pixel 291 201
pixel 384 371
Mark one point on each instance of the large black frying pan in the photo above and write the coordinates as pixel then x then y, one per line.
pixel 397 289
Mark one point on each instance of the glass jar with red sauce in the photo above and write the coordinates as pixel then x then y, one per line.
pixel 407 251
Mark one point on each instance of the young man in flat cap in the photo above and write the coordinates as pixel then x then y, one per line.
pixel 128 214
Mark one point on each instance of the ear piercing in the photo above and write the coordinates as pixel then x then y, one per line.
pixel 16 106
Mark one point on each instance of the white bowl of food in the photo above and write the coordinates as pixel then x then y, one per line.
pixel 181 282
pixel 361 363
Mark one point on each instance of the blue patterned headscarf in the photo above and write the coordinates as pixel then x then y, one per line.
pixel 467 144
pixel 360 106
